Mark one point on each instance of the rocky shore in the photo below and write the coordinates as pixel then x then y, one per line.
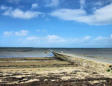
pixel 62 70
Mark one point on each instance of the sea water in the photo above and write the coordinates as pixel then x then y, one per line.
pixel 101 54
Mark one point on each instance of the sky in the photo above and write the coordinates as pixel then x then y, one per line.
pixel 56 23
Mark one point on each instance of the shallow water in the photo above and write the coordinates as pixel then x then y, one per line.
pixel 103 54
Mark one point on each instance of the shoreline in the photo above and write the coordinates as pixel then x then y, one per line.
pixel 86 58
pixel 92 64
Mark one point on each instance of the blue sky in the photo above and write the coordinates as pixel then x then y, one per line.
pixel 56 23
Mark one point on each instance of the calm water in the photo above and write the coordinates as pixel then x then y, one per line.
pixel 101 54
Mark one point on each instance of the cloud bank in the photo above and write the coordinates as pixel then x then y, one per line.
pixel 23 37
pixel 100 16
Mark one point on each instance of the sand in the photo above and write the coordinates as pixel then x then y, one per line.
pixel 61 68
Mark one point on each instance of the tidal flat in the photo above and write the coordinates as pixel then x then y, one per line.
pixel 60 70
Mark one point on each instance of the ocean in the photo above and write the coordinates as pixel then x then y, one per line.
pixel 100 54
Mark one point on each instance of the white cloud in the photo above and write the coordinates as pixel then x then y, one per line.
pixel 21 33
pixel 41 30
pixel 69 14
pixel 55 38
pixel 111 36
pixel 100 38
pixel 87 38
pixel 32 38
pixel 58 39
pixel 3 7
pixel 82 3
pixel 7 33
pixel 35 5
pixel 53 3
pixel 52 37
pixel 80 39
pixel 45 39
pixel 49 40
pixel 16 33
pixel 18 13
pixel 99 3
pixel 100 16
